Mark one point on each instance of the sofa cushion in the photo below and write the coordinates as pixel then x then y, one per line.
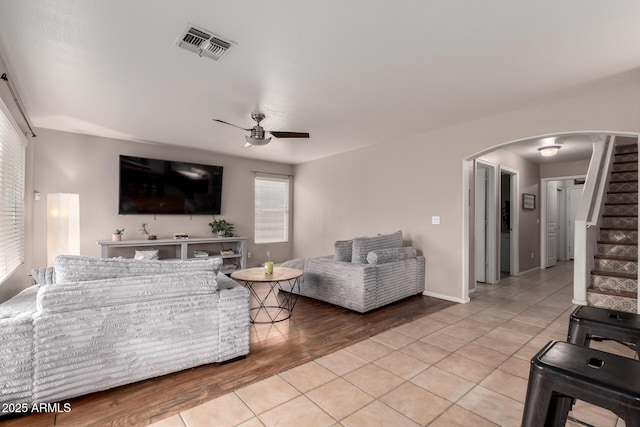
pixel 297 263
pixel 382 256
pixel 363 245
pixel 74 268
pixel 343 249
pixel 44 275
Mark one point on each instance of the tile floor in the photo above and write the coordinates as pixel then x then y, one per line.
pixel 466 365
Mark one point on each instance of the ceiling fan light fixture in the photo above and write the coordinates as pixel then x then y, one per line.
pixel 549 150
pixel 257 141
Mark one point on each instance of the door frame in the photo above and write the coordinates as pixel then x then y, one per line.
pixel 514 233
pixel 492 219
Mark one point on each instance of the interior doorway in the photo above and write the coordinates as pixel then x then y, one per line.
pixel 560 199
pixel 508 219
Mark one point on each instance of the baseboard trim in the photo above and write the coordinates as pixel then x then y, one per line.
pixel 445 297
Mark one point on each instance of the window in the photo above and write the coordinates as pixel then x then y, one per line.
pixel 272 210
pixel 12 161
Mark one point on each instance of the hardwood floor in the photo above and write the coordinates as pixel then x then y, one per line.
pixel 316 329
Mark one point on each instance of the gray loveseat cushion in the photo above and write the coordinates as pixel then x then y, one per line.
pixel 363 245
pixel 343 249
pixel 75 268
pixel 382 256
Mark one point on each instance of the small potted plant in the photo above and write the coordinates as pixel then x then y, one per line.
pixel 117 235
pixel 221 227
pixel 146 230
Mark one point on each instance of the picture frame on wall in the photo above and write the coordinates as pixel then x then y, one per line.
pixel 528 201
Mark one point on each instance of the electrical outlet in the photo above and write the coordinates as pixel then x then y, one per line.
pixel 249 255
pixel 531 255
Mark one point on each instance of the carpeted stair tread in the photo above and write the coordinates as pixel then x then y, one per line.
pixel 622 294
pixel 614 274
pixel 613 242
pixel 616 258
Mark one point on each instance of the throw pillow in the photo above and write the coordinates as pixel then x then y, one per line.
pixel 343 249
pixel 382 256
pixel 363 245
pixel 44 275
pixel 148 255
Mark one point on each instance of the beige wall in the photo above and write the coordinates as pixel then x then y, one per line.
pixel 552 170
pixel 75 163
pixel 403 183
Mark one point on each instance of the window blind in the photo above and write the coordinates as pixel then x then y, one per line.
pixel 271 210
pixel 12 178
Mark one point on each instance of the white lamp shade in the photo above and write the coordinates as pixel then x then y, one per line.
pixel 63 225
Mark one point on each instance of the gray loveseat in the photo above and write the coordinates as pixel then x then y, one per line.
pixel 364 273
pixel 108 322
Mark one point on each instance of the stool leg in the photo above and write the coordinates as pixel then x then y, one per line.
pixel 537 402
pixel 631 417
pixel 577 334
pixel 558 410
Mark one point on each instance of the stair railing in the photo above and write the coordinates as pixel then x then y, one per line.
pixel 587 222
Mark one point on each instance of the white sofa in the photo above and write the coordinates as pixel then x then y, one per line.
pixel 109 322
pixel 363 274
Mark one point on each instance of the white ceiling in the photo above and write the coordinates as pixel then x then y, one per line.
pixel 352 73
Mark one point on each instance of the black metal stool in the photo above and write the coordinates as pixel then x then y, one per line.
pixel 588 322
pixel 562 371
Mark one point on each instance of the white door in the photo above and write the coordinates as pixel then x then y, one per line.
pixel 552 224
pixel 574 195
pixel 481 224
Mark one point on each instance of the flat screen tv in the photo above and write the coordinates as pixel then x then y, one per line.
pixel 152 186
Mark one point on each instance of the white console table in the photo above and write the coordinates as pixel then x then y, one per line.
pixel 183 249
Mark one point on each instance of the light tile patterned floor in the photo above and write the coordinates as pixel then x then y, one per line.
pixel 466 365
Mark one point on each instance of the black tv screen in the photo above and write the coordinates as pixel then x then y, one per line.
pixel 152 186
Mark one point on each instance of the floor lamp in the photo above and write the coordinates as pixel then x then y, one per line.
pixel 63 225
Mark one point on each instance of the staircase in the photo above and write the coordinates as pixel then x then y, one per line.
pixel 614 279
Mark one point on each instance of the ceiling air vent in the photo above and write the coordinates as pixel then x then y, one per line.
pixel 203 42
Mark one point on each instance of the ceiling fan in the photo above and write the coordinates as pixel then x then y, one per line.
pixel 258 133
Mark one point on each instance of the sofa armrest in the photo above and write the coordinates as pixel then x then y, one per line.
pixel 347 284
pixel 71 296
pixel 233 315
pixel 16 347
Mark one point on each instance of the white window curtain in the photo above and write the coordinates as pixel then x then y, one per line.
pixel 12 178
pixel 271 210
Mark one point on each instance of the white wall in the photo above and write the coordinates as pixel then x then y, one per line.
pixel 75 163
pixel 403 183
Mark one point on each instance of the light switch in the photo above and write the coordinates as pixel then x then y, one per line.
pixel 435 220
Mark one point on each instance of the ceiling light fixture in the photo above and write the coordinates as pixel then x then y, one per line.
pixel 257 141
pixel 549 150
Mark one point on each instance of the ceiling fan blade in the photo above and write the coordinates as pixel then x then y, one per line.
pixel 289 134
pixel 230 124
